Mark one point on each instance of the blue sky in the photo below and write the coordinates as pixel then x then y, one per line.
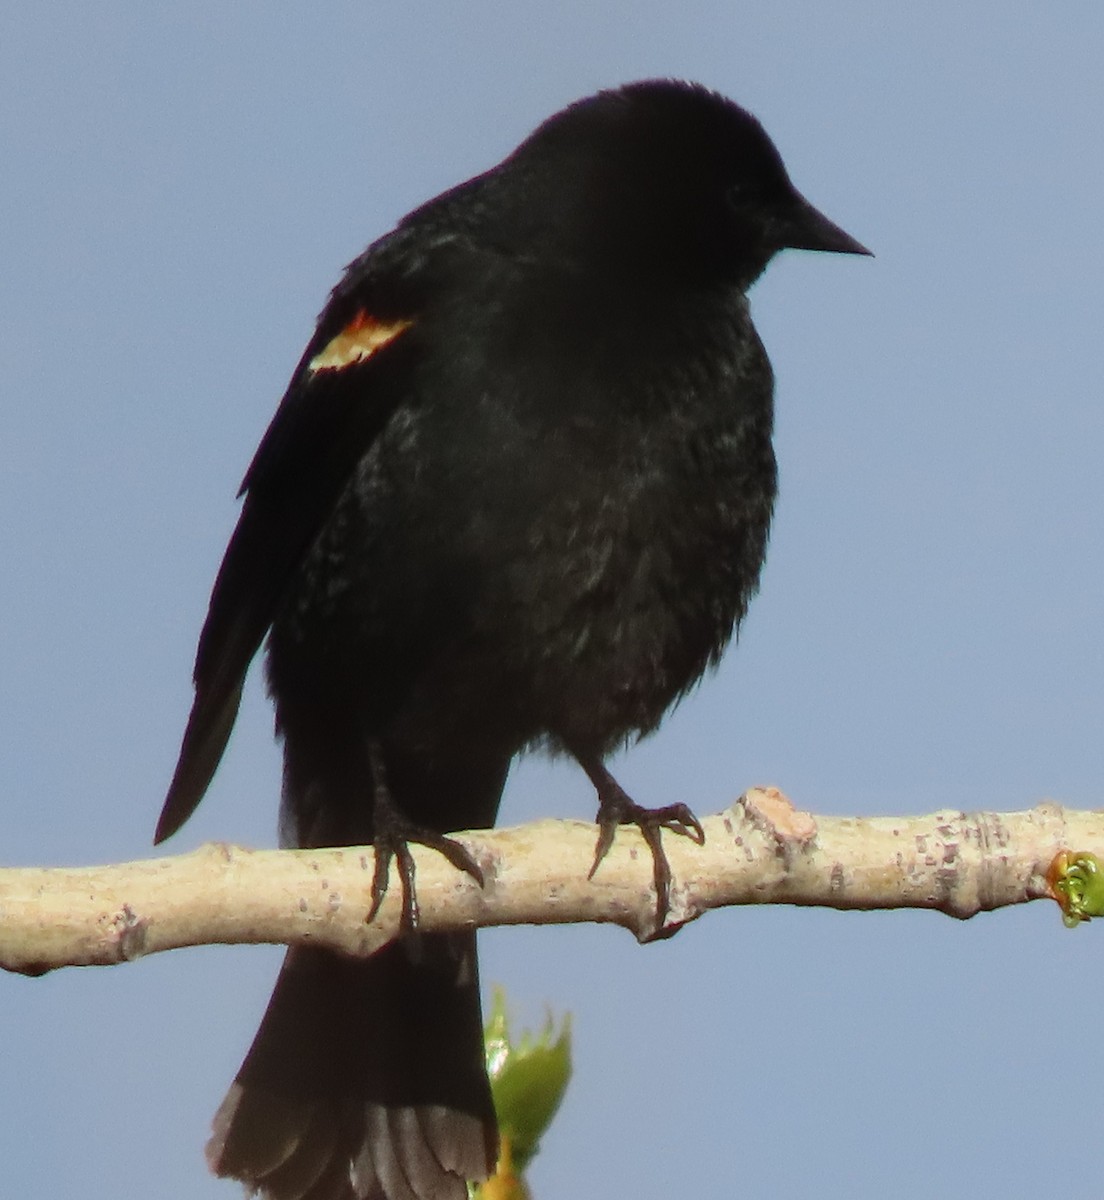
pixel 181 185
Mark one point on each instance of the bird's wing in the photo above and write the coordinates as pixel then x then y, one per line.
pixel 347 385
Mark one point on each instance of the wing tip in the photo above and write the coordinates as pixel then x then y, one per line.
pixel 205 739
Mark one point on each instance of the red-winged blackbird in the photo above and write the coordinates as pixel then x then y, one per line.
pixel 517 493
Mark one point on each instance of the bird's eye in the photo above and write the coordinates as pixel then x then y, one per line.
pixel 736 194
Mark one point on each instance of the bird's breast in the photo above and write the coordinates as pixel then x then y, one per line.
pixel 577 526
pixel 629 538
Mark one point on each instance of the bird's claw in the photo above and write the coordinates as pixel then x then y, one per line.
pixel 393 837
pixel 616 807
pixel 394 843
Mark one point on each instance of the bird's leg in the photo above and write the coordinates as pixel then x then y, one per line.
pixel 616 807
pixel 393 833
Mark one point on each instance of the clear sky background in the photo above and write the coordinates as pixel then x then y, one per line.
pixel 180 185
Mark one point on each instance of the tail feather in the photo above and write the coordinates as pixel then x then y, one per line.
pixel 366 1080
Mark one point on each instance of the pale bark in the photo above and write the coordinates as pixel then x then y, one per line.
pixel 760 851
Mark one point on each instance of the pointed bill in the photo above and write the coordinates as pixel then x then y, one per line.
pixel 807 228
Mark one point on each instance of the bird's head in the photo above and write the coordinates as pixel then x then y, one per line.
pixel 664 179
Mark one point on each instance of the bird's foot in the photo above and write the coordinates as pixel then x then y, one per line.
pixel 616 807
pixel 394 834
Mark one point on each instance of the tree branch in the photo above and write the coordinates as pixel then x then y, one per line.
pixel 760 851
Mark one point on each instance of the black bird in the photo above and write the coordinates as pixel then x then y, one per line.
pixel 517 494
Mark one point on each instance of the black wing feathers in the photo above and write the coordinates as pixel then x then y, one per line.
pixel 327 420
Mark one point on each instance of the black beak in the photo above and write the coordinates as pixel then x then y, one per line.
pixel 807 228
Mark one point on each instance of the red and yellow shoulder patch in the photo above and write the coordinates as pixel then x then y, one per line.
pixel 358 341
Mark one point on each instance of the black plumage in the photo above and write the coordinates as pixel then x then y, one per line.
pixel 518 493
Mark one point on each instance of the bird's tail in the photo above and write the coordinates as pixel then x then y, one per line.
pixel 366 1079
